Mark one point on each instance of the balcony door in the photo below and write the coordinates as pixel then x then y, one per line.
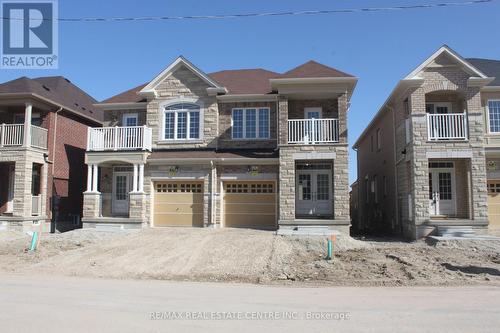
pixel 442 190
pixel 311 132
pixel 438 108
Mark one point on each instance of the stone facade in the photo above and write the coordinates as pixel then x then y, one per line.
pixel 407 113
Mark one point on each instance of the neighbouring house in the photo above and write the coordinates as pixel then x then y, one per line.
pixel 43 137
pixel 236 148
pixel 430 157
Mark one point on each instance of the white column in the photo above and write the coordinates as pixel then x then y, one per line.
pixel 141 177
pixel 95 172
pixel 27 125
pixel 134 187
pixel 89 178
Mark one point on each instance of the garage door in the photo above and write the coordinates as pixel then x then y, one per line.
pixel 178 203
pixel 250 205
pixel 494 203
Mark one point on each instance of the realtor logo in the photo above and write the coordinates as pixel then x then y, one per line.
pixel 29 34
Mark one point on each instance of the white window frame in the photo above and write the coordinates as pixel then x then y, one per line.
pixel 379 139
pixel 130 115
pixel 488 128
pixel 163 111
pixel 257 127
pixel 313 109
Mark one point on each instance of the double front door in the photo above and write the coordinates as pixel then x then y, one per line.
pixel 442 191
pixel 313 193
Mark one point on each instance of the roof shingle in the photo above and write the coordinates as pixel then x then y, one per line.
pixel 488 67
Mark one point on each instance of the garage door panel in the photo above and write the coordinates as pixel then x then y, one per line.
pixel 178 203
pixel 178 220
pixel 494 203
pixel 250 208
pixel 250 204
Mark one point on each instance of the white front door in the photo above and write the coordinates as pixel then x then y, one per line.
pixel 442 192
pixel 122 185
pixel 10 191
pixel 313 193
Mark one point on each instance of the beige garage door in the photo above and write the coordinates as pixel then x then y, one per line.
pixel 250 205
pixel 178 203
pixel 494 203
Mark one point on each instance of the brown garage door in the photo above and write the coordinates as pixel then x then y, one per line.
pixel 178 203
pixel 250 205
pixel 494 203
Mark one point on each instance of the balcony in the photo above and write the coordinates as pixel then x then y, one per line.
pixel 313 131
pixel 119 138
pixel 447 126
pixel 12 135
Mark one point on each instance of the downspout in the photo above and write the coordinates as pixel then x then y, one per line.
pixel 54 136
pixel 396 210
pixel 212 193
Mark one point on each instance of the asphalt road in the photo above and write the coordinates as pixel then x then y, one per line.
pixel 63 304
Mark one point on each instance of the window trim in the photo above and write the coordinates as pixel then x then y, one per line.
pixel 378 137
pixel 130 115
pixel 488 127
pixel 257 127
pixel 163 106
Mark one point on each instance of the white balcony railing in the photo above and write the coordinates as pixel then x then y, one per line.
pixel 311 131
pixel 11 135
pixel 119 138
pixel 447 126
pixel 39 137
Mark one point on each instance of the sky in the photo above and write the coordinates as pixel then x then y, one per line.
pixel 380 48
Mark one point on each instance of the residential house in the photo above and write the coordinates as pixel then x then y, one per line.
pixel 425 159
pixel 245 148
pixel 43 128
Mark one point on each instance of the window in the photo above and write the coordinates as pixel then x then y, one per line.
pixel 406 106
pixel 379 139
pixel 182 122
pixel 438 108
pixel 494 116
pixel 385 186
pixel 130 119
pixel 375 188
pixel 371 143
pixel 493 187
pixel 250 123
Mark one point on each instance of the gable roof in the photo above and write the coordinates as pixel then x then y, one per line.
pixel 488 67
pixel 180 61
pixel 245 81
pixel 57 89
pixel 446 50
pixel 313 69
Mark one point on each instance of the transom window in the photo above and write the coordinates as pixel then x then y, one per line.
pixel 182 122
pixel 250 123
pixel 249 188
pixel 179 187
pixel 494 116
pixel 494 187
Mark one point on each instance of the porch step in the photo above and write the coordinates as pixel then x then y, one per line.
pixel 457 231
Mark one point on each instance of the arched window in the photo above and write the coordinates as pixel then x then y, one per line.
pixel 182 121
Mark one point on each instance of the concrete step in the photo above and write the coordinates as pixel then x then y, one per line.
pixel 457 231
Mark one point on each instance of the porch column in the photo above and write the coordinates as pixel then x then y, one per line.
pixel 95 172
pixel 27 125
pixel 134 182
pixel 141 177
pixel 89 178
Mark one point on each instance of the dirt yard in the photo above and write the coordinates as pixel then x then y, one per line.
pixel 251 256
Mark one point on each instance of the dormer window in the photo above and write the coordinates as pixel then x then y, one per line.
pixel 182 122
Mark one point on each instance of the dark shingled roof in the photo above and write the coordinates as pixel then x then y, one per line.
pixel 57 89
pixel 129 96
pixel 246 81
pixel 313 69
pixel 488 67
